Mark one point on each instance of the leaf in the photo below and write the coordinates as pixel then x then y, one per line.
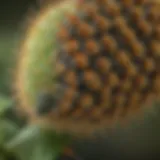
pixel 7 131
pixel 27 135
pixel 5 103
pixel 35 143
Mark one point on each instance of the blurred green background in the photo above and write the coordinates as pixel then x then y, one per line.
pixel 13 14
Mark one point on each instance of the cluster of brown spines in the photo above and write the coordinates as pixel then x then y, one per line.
pixel 108 59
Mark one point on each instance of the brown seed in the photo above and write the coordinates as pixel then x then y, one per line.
pixel 128 34
pixel 154 14
pixel 149 65
pixel 71 78
pixel 92 47
pixel 138 49
pixel 155 48
pixel 126 85
pixel 63 34
pixel 120 100
pixel 123 58
pixel 113 80
pixel 92 80
pixel 144 27
pixel 127 3
pixel 103 65
pixel 85 30
pixel 86 101
pixel 156 83
pixel 73 20
pixel 109 44
pixel 131 70
pixel 65 107
pixel 134 99
pixel 90 10
pixel 148 98
pixel 141 82
pixel 157 32
pixel 113 9
pixel 81 60
pixel 137 13
pixel 105 97
pixel 71 47
pixel 101 2
pixel 102 23
pixel 120 23
pixel 139 2
pixel 70 94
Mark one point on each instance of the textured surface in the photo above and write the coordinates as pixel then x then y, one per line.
pixel 108 63
pixel 102 66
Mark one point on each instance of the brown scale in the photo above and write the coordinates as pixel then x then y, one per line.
pixel 70 78
pixel 154 14
pixel 92 80
pixel 129 35
pixel 63 34
pixel 123 58
pixel 155 48
pixel 86 101
pixel 140 82
pixel 109 44
pixel 115 50
pixel 131 70
pixel 70 93
pixel 90 10
pixel 85 30
pixel 139 2
pixel 65 107
pixel 92 47
pixel 71 46
pixel 113 9
pixel 157 32
pixel 137 14
pixel 74 20
pixel 138 49
pixel 81 60
pixel 102 23
pixel 144 27
pixel 113 80
pixel 126 85
pixel 103 65
pixel 120 23
pixel 149 65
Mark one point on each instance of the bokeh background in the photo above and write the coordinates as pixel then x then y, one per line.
pixel 13 15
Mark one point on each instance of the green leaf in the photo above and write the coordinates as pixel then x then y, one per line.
pixel 5 103
pixel 35 143
pixel 7 131
pixel 27 135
